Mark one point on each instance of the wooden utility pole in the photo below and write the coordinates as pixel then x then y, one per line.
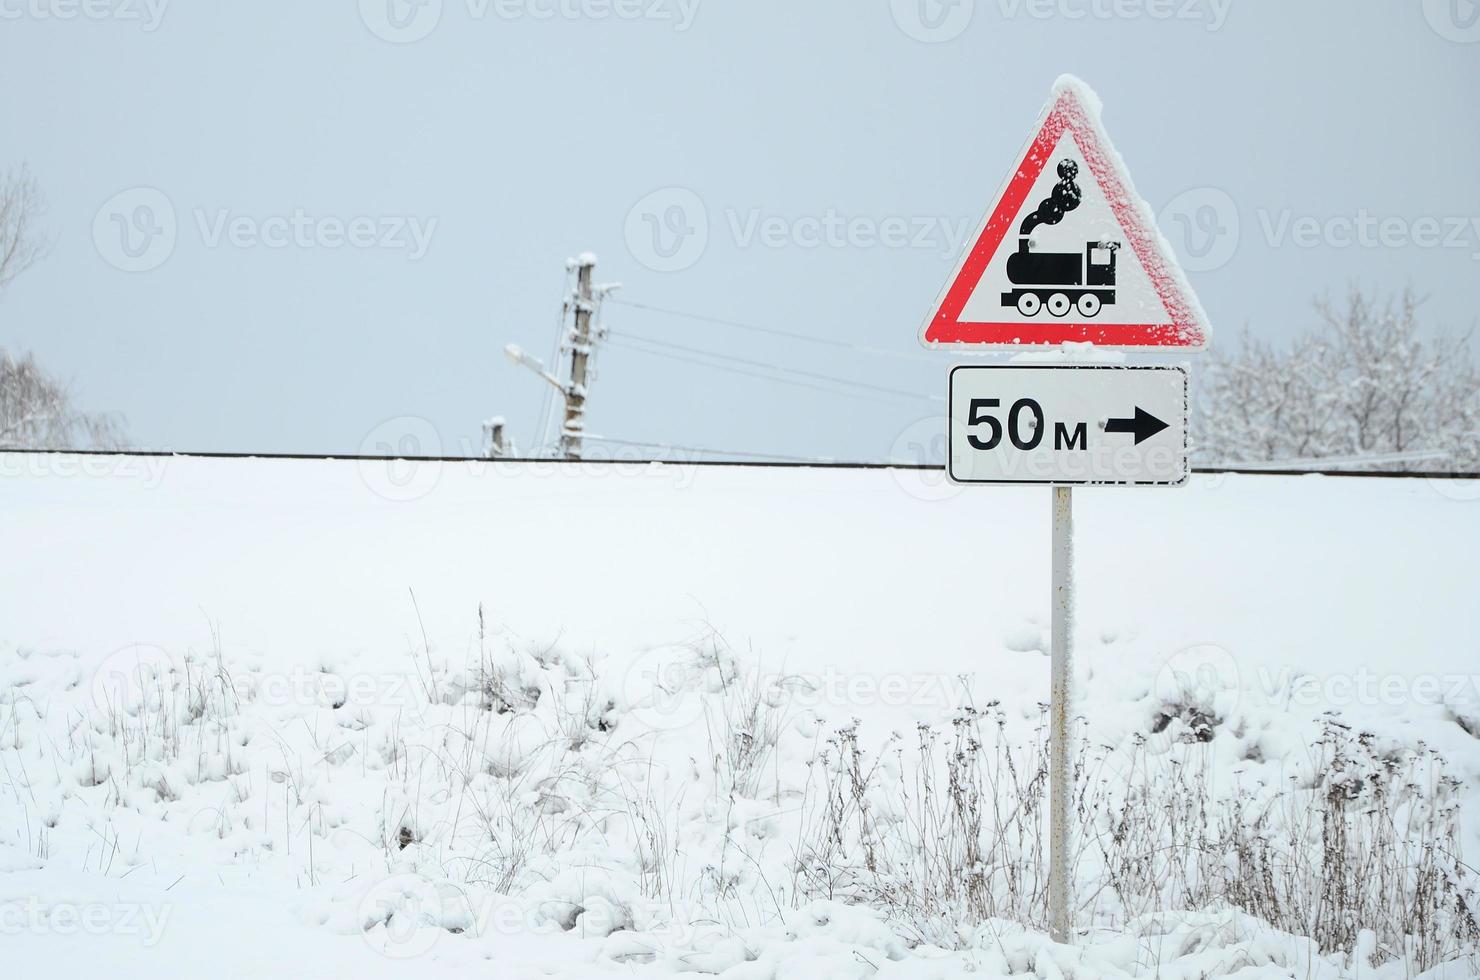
pixel 573 430
pixel 583 334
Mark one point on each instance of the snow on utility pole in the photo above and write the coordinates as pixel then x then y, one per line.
pixel 580 341
pixel 573 429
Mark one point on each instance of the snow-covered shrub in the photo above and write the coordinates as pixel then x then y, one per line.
pixel 1360 836
pixel 642 798
pixel 1364 836
pixel 1368 381
pixel 943 834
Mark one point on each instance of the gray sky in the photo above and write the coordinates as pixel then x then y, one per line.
pixel 356 206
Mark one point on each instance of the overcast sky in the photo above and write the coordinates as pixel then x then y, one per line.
pixel 279 226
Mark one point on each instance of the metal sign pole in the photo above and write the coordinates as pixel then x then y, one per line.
pixel 1062 425
pixel 1059 787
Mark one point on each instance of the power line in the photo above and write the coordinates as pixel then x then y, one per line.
pixel 631 345
pixel 777 332
pixel 621 343
pixel 720 355
pixel 728 362
pixel 668 447
pixel 919 467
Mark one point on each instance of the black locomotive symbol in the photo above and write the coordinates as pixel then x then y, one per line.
pixel 1060 281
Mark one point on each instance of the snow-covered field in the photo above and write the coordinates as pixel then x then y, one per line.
pixel 391 719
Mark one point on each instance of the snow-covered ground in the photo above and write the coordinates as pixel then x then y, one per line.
pixel 392 719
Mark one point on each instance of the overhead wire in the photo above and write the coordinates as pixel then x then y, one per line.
pixel 733 364
pixel 633 346
pixel 736 364
pixel 669 447
pixel 778 332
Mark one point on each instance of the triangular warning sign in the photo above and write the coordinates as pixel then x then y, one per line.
pixel 1068 253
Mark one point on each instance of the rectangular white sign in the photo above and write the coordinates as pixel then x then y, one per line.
pixel 1068 425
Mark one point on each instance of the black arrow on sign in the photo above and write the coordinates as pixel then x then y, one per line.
pixel 1143 426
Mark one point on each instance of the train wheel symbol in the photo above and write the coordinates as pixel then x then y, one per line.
pixel 1089 304
pixel 1029 304
pixel 1058 304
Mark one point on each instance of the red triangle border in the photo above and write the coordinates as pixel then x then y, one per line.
pixel 1186 329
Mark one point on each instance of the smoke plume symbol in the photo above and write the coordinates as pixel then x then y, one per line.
pixel 1065 198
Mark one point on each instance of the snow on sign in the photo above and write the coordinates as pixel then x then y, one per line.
pixel 1068 425
pixel 1068 253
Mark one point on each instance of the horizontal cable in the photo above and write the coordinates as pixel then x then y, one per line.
pixel 668 447
pixel 664 348
pixel 858 465
pixel 777 332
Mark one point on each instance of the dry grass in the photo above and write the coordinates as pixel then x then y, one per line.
pixel 943 829
pixel 949 832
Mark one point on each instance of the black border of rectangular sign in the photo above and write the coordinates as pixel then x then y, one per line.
pixel 1186 420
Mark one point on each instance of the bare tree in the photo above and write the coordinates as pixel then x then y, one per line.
pixel 36 409
pixel 20 203
pixel 1365 383
pixel 36 412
